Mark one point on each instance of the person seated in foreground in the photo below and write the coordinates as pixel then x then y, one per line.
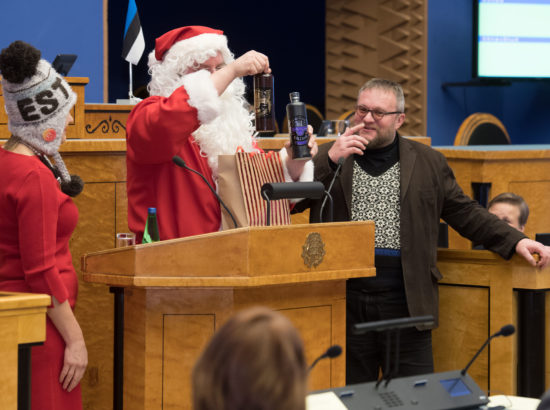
pixel 254 361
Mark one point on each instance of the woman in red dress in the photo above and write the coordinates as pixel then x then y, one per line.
pixel 37 218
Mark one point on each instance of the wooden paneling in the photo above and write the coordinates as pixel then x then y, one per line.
pixel 121 208
pixel 525 172
pixel 477 299
pixel 377 38
pixel 4 132
pixel 537 196
pixel 463 328
pixel 194 314
pixel 94 308
pixel 165 331
pixel 184 338
pixel 9 351
pixel 22 320
pixel 106 120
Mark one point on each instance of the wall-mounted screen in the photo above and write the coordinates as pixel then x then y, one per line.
pixel 512 39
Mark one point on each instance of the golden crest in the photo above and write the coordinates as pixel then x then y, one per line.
pixel 313 250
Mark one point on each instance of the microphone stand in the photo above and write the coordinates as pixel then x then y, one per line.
pixel 392 372
pixel 504 331
pixel 389 327
pixel 327 192
pixel 265 195
pixel 181 163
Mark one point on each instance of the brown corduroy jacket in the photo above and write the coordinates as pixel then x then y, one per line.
pixel 429 192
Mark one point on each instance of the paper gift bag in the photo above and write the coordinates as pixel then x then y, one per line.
pixel 240 180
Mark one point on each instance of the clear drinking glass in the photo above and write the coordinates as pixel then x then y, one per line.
pixel 125 239
pixel 333 128
pixel 339 127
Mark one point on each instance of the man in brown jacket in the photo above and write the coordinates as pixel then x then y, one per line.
pixel 405 187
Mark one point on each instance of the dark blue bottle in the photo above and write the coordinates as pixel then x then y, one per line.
pixel 297 126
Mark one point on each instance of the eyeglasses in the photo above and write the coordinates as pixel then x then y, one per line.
pixel 376 114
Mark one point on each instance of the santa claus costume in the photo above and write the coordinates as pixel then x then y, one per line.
pixel 184 116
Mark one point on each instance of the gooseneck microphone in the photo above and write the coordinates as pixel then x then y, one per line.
pixel 181 163
pixel 327 195
pixel 504 331
pixel 287 190
pixel 332 352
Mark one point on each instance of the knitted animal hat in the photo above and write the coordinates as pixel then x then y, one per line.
pixel 37 100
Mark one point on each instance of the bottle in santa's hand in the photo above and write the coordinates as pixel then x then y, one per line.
pixel 264 104
pixel 297 127
pixel 151 232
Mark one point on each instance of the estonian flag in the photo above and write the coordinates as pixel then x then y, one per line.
pixel 134 43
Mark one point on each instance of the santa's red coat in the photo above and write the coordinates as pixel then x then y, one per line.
pixel 157 129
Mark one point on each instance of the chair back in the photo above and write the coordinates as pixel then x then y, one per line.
pixel 482 129
pixel 348 115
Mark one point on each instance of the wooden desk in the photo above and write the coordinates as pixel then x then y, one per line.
pixel 477 298
pixel 22 320
pixel 522 169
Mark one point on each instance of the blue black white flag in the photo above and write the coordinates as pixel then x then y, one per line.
pixel 134 42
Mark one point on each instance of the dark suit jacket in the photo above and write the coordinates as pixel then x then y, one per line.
pixel 428 192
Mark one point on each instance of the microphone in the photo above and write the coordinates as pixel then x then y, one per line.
pixel 181 163
pixel 287 190
pixel 504 331
pixel 332 352
pixel 336 173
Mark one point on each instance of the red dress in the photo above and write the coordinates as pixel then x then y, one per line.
pixel 36 223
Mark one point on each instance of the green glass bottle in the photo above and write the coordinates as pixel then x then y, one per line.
pixel 151 232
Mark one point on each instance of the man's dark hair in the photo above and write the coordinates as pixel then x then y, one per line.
pixel 512 199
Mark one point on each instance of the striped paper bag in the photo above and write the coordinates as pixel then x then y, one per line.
pixel 240 182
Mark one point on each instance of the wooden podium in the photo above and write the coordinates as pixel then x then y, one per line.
pixel 177 292
pixel 22 321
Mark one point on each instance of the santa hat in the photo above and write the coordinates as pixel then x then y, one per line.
pixel 192 39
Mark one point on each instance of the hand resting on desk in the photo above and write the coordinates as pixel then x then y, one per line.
pixel 527 247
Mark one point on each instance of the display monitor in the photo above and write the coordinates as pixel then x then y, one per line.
pixel 511 39
pixel 63 63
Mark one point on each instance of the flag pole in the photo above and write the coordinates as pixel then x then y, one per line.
pixel 130 93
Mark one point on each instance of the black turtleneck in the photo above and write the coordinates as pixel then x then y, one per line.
pixel 377 161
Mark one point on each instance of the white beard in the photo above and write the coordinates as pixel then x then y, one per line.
pixel 230 130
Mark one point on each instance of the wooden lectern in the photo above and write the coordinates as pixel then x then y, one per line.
pixel 177 292
pixel 22 321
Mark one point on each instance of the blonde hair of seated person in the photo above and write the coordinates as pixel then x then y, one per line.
pixel 255 361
